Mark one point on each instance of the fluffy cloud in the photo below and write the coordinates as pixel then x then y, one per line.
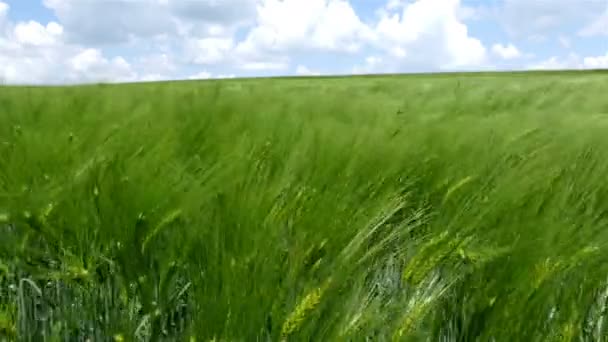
pixel 224 51
pixel 597 62
pixel 167 38
pixel 406 33
pixel 33 33
pixel 289 25
pixel 91 65
pixel 506 51
pixel 27 49
pixel 428 33
pixel 34 53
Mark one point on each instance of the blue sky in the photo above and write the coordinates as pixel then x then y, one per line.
pixel 75 41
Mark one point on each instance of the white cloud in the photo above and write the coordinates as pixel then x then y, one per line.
pixel 85 60
pixel 33 33
pixel 572 61
pixel 373 60
pixel 203 32
pixel 164 38
pixel 430 34
pixel 34 53
pixel 597 62
pixel 506 51
pixel 302 70
pixel 291 25
pixel 91 65
pixel 398 52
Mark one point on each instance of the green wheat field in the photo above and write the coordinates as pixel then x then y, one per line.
pixel 446 207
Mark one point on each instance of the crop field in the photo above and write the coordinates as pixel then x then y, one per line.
pixel 448 207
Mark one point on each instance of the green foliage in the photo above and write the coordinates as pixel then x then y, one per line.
pixel 437 208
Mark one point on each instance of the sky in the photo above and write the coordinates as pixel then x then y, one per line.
pixel 82 41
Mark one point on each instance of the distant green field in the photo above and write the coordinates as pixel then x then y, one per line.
pixel 455 207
